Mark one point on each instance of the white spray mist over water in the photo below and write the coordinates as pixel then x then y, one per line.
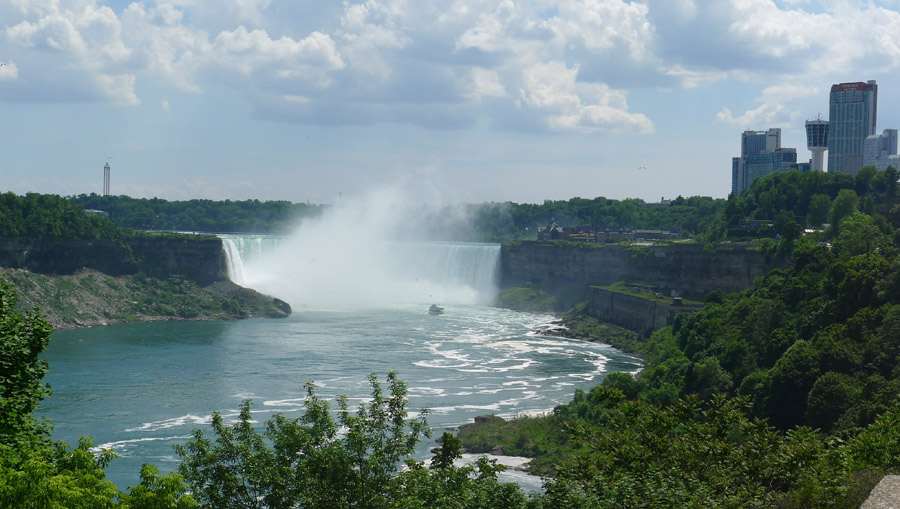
pixel 365 253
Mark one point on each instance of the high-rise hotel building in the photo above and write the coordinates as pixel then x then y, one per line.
pixel 852 110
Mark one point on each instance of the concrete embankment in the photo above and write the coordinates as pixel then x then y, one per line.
pixel 639 314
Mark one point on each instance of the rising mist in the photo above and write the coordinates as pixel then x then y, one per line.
pixel 373 251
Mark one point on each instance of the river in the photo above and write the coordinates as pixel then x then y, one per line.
pixel 141 388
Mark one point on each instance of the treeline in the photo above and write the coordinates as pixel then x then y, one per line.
pixel 44 215
pixel 247 216
pixel 496 222
pixel 792 200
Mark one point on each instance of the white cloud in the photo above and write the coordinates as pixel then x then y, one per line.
pixel 694 78
pixel 552 89
pixel 75 54
pixel 777 107
pixel 484 83
pixel 239 11
pixel 246 51
pixel 118 88
pixel 369 31
pixel 602 26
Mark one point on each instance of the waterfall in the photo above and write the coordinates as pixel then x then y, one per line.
pixel 336 273
pixel 242 248
pixel 233 261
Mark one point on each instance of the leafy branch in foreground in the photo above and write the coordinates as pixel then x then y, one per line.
pixel 305 461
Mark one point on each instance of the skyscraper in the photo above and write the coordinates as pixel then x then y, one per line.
pixel 852 111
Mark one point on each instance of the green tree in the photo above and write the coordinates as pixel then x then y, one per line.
pixel 844 205
pixel 22 339
pixel 819 205
pixel 859 234
pixel 306 463
pixel 831 396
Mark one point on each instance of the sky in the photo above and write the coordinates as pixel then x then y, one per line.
pixel 455 100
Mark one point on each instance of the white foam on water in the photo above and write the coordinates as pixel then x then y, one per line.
pixel 292 402
pixel 196 420
pixel 443 410
pixel 120 446
pixel 427 391
pixel 440 364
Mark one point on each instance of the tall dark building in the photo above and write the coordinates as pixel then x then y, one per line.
pixel 852 110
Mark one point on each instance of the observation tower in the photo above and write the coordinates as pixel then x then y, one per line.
pixel 106 179
pixel 817 142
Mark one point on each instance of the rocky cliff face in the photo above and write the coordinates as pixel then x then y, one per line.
pixel 199 259
pixel 689 268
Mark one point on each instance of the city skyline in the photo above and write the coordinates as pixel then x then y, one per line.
pixel 467 101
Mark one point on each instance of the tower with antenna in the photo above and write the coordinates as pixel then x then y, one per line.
pixel 817 141
pixel 106 179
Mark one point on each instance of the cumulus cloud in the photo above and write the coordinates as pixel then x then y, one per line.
pixel 482 83
pixel 71 54
pixel 777 108
pixel 247 52
pixel 552 89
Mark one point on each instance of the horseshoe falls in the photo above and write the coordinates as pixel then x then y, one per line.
pixel 308 273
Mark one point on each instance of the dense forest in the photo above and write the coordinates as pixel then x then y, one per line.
pixel 44 215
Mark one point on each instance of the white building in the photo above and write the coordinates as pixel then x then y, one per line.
pixel 880 150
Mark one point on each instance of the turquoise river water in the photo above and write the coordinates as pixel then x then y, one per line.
pixel 141 388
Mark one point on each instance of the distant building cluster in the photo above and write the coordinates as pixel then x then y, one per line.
pixel 848 136
pixel 589 233
pixel 761 154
